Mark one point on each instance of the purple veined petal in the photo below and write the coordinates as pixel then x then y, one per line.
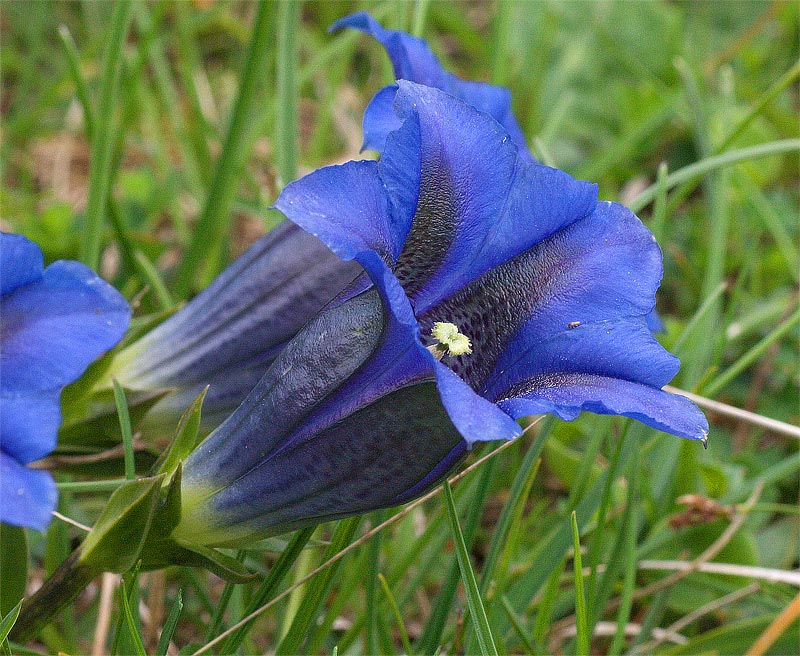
pixel 413 60
pixel 228 335
pixel 566 395
pixel 29 423
pixel 402 360
pixel 56 326
pixel 604 267
pixel 21 262
pixel 27 496
pixel 623 349
pixel 479 204
pixel 606 368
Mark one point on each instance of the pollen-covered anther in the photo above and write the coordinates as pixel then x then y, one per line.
pixel 450 341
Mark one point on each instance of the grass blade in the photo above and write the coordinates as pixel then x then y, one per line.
pixel 476 609
pixel 100 171
pixel 517 625
pixel 129 621
pixel 628 557
pixel 125 427
pixel 752 355
pixel 7 623
pixel 580 599
pixel 267 588
pixel 169 626
pixel 317 589
pixel 401 627
pixel 707 164
pixel 287 92
pixel 200 261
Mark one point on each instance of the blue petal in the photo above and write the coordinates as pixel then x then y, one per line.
pixel 568 394
pixel 479 204
pixel 20 262
pixel 27 497
pixel 623 349
pixel 607 368
pixel 229 333
pixel 401 360
pixel 348 419
pixel 55 327
pixel 380 119
pixel 601 268
pixel 29 423
pixel 654 322
pixel 413 60
pixel 347 208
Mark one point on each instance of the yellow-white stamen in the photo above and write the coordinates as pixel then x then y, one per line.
pixel 450 340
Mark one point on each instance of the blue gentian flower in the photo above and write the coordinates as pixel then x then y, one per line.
pixel 453 225
pixel 413 60
pixel 229 334
pixel 53 323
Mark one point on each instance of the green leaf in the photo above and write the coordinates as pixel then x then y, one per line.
pixel 8 621
pixel 216 562
pixel 185 437
pixel 13 566
pixel 118 536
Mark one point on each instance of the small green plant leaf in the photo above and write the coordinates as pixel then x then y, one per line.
pixel 7 623
pixel 118 536
pixel 185 437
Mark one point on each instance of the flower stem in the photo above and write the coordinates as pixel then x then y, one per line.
pixel 66 583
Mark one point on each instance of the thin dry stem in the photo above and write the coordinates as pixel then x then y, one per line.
pixel 737 413
pixel 107 586
pixel 697 613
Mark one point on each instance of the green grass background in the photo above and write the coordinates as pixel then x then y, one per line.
pixel 148 139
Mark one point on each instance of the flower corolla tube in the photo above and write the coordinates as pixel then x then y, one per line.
pixel 453 225
pixel 228 335
pixel 54 322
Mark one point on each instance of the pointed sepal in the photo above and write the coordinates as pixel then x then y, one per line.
pixel 119 535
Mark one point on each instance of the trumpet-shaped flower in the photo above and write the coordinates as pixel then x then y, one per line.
pixel 53 323
pixel 413 60
pixel 452 226
pixel 228 335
